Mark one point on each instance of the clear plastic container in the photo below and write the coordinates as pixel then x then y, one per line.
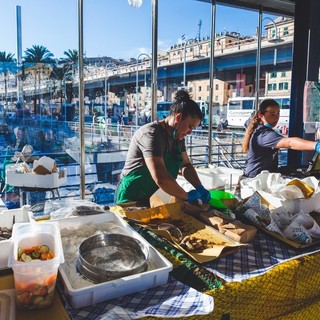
pixel 35 279
pixel 7 305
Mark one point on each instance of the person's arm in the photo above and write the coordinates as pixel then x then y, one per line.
pixel 296 143
pixel 163 179
pixel 188 171
pixel 190 174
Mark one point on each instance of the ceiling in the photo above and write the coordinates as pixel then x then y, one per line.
pixel 279 7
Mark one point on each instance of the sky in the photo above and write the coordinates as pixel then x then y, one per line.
pixel 112 27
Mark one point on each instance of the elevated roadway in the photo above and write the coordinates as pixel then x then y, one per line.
pixel 226 65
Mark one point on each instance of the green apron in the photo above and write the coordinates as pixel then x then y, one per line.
pixel 138 184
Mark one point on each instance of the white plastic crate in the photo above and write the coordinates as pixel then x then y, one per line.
pixel 32 180
pixel 7 217
pixel 95 293
pixel 213 178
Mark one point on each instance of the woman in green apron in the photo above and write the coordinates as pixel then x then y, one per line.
pixel 157 153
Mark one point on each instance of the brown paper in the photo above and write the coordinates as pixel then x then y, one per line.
pixel 235 230
pixel 189 208
pixel 194 227
pixel 156 201
pixel 230 203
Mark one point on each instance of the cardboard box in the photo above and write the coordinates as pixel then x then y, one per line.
pixel 95 293
pixel 32 180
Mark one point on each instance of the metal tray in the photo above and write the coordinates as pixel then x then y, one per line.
pixel 106 256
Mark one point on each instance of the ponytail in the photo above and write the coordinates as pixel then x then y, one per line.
pixel 256 120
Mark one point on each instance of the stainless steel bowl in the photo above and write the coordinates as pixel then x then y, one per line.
pixel 106 257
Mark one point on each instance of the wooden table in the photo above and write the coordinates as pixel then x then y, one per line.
pixel 55 312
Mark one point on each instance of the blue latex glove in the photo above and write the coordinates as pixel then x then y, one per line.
pixel 317 147
pixel 205 194
pixel 193 195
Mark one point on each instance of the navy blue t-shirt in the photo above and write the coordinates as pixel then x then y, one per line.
pixel 262 155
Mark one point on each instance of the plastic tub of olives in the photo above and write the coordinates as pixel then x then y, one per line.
pixel 110 256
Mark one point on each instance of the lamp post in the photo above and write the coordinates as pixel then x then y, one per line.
pixel 65 76
pixel 137 83
pixel 185 60
pixel 106 90
pixel 275 39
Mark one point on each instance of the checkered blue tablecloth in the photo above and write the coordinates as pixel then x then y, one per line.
pixel 171 300
pixel 175 299
pixel 256 258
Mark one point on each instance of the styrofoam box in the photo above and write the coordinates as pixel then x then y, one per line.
pixel 294 205
pixel 213 178
pixel 119 287
pixel 6 220
pixel 32 180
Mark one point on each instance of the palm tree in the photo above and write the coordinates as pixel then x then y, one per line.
pixel 7 65
pixel 57 73
pixel 71 58
pixel 70 62
pixel 38 54
pixel 38 59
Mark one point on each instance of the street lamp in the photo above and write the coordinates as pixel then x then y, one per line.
pixel 106 90
pixel 275 39
pixel 185 60
pixel 65 76
pixel 137 84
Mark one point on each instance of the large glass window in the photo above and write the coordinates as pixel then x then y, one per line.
pixel 39 93
pixel 247 104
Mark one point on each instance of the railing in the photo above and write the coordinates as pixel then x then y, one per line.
pixel 226 149
pixel 106 149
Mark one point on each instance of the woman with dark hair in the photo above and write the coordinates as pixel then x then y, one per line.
pixel 261 142
pixel 157 153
